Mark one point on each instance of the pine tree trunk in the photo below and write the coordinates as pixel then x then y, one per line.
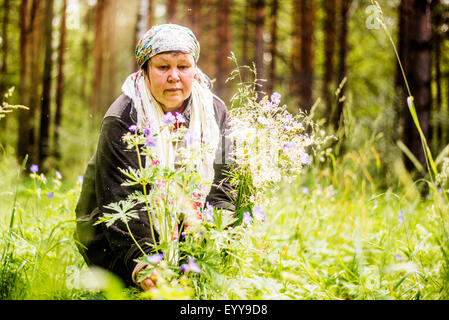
pixel 171 11
pixel 273 43
pixel 307 54
pixel 98 62
pixel 259 7
pixel 60 81
pixel 330 7
pixel 223 64
pixel 417 38
pixel 193 14
pixel 151 18
pixel 24 117
pixel 436 129
pixel 4 53
pixel 295 60
pixel 4 64
pixel 44 138
pixel 209 45
pixel 342 66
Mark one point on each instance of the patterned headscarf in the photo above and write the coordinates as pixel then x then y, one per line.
pixel 166 37
pixel 170 37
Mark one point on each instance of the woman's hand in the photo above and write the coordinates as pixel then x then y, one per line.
pixel 150 282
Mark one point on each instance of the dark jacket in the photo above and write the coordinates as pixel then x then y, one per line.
pixel 112 247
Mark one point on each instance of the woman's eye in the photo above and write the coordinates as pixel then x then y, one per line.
pixel 183 67
pixel 163 67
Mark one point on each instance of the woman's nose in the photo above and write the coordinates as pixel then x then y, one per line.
pixel 173 75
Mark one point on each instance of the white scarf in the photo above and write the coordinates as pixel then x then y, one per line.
pixel 202 124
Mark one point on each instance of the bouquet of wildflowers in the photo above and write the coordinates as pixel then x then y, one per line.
pixel 270 145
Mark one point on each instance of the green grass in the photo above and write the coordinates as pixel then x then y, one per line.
pixel 343 237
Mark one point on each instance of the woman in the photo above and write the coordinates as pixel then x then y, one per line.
pixel 168 81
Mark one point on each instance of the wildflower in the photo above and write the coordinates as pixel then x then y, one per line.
pixel 150 141
pixel 401 216
pixel 58 175
pixel 34 168
pixel 209 212
pixel 132 128
pixel 297 125
pixel 190 138
pixel 147 131
pixel 80 179
pixel 259 214
pixel 398 257
pixel 191 266
pixel 276 98
pixel 305 190
pixel 247 219
pixel 168 118
pixel 50 195
pixel 155 258
pixel 289 145
pixel 305 159
pixel 180 118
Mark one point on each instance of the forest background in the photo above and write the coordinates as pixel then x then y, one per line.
pixel 67 59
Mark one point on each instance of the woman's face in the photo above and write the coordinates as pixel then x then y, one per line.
pixel 170 78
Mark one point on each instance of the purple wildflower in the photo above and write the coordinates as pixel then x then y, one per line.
pixel 50 195
pixel 398 257
pixel 168 118
pixel 276 98
pixel 305 159
pixel 180 118
pixel 247 219
pixel 34 168
pixel 191 266
pixel 289 145
pixel 80 179
pixel 305 190
pixel 132 128
pixel 209 212
pixel 155 258
pixel 58 175
pixel 259 214
pixel 401 216
pixel 190 138
pixel 147 131
pixel 150 141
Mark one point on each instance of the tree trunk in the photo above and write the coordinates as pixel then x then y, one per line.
pixel 209 43
pixel 171 11
pixel 4 53
pixel 273 43
pixel 98 63
pixel 60 81
pixel 247 55
pixel 417 36
pixel 24 146
pixel 295 59
pixel 259 7
pixel 342 67
pixel 436 129
pixel 330 7
pixel 223 64
pixel 307 53
pixel 193 14
pixel 4 63
pixel 151 18
pixel 44 138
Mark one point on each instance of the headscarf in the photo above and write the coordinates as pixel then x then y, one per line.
pixel 167 38
pixel 170 37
